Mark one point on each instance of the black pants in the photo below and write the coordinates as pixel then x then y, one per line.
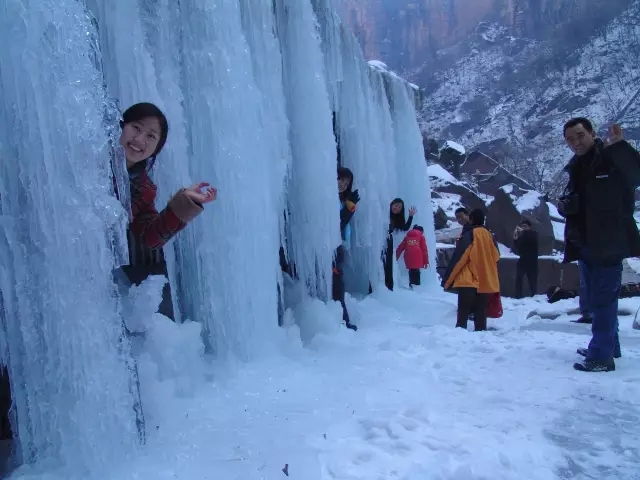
pixel 414 277
pixel 338 289
pixel 470 301
pixel 5 404
pixel 530 270
pixel 387 263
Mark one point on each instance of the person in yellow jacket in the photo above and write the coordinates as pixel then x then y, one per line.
pixel 473 271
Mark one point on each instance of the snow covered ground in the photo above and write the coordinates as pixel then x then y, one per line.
pixel 406 397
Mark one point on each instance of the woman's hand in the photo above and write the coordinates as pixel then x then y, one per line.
pixel 201 193
pixel 412 211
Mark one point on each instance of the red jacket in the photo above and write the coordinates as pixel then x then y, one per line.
pixel 154 229
pixel 414 247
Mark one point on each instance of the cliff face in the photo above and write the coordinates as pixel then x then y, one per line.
pixel 408 34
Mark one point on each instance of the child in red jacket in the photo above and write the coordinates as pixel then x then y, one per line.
pixel 416 256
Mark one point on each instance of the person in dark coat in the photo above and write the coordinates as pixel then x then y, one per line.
pixel 598 204
pixel 397 223
pixel 348 201
pixel 525 245
pixel 144 133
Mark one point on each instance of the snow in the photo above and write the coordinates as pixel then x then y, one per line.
pixel 553 212
pixel 407 396
pixel 529 201
pixel 455 146
pixel 438 171
pixel 558 230
pixel 449 202
pixel 634 263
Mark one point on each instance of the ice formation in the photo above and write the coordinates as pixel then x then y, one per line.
pixel 249 89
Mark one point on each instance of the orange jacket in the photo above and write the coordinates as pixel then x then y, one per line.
pixel 475 262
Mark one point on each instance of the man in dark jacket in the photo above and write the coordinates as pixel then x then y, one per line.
pixel 525 245
pixel 600 231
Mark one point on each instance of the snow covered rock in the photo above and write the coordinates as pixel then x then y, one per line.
pixel 489 175
pixel 440 218
pixel 513 204
pixel 452 192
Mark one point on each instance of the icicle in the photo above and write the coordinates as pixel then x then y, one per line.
pixel 238 235
pixel 312 189
pixel 259 27
pixel 411 165
pixel 69 380
pixel 361 143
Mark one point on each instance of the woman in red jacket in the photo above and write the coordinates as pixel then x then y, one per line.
pixel 415 251
pixel 144 133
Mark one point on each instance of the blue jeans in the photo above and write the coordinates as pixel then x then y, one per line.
pixel 603 286
pixel 584 291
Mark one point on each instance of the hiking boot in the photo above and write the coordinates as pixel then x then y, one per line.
pixel 583 319
pixel 352 326
pixel 595 366
pixel 583 352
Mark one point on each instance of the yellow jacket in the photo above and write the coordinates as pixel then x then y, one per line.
pixel 475 262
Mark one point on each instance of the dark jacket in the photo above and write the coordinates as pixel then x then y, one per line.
pixel 598 204
pixel 526 247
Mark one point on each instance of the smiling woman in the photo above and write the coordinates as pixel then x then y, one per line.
pixel 144 133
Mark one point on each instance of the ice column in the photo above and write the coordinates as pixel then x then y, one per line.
pixel 238 236
pixel 411 164
pixel 361 143
pixel 312 191
pixel 57 210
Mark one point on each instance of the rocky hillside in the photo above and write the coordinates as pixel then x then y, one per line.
pixel 505 74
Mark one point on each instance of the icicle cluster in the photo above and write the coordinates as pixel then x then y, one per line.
pixel 249 89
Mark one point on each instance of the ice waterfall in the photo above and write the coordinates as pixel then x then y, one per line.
pixel 249 89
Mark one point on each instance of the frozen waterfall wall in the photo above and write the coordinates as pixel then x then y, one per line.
pixel 249 89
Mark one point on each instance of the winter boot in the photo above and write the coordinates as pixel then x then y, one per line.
pixel 583 352
pixel 595 366
pixel 351 326
pixel 583 319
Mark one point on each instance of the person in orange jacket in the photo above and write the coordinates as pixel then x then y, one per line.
pixel 473 271
pixel 416 256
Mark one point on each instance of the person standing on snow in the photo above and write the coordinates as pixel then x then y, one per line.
pixel 397 223
pixel 416 256
pixel 525 245
pixel 600 231
pixel 473 271
pixel 348 200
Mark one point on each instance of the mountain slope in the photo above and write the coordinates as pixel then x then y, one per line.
pixel 511 96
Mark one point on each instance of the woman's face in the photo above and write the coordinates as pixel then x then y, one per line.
pixel 343 184
pixel 140 139
pixel 396 208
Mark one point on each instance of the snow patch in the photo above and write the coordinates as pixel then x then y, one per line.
pixel 454 146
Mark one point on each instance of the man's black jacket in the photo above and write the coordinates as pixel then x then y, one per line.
pixel 601 189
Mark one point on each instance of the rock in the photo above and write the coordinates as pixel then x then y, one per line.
pixel 440 218
pixel 513 204
pixel 468 197
pixel 489 175
pixel 443 257
pixel 551 273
